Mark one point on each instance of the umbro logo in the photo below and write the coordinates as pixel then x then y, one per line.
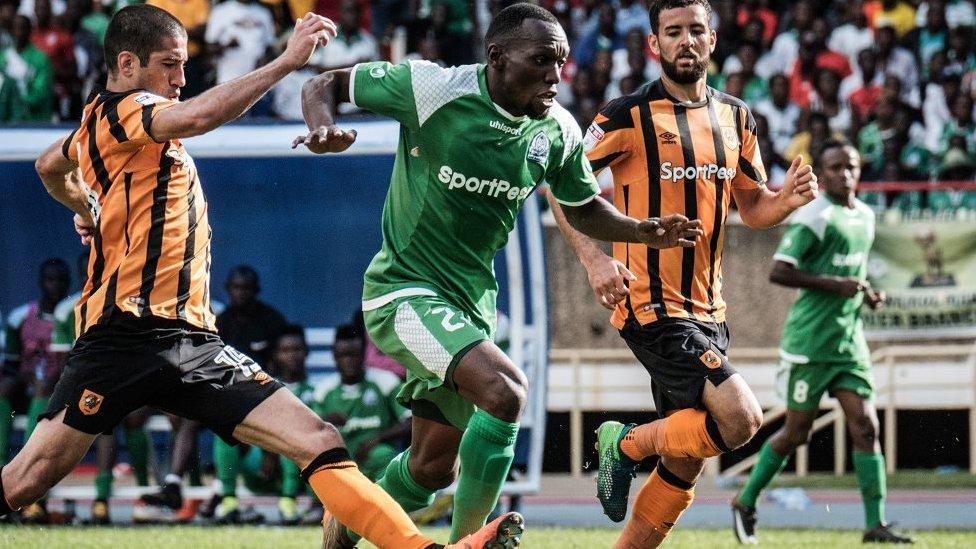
pixel 668 138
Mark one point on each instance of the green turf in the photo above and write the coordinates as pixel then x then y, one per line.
pixel 535 538
pixel 900 480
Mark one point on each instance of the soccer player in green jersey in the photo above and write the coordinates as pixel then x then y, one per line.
pixel 825 253
pixel 474 142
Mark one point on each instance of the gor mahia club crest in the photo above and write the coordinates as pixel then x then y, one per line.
pixel 539 148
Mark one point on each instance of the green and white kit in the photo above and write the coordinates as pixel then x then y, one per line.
pixel 463 169
pixel 823 347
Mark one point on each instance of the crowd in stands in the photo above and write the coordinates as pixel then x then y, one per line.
pixel 895 77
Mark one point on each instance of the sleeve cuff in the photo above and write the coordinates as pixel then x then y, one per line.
pixel 786 259
pixel 352 85
pixel 575 204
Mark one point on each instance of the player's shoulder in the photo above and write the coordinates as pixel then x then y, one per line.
pixel 65 307
pixel 727 99
pixel 618 109
pixel 863 208
pixel 16 317
pixel 387 382
pixel 435 86
pixel 814 215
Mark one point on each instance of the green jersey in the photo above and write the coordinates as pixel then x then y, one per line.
pixel 63 333
pixel 827 239
pixel 463 169
pixel 369 406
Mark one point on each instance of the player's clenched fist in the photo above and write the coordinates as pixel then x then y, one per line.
pixel 800 185
pixel 669 231
pixel 310 31
pixel 326 139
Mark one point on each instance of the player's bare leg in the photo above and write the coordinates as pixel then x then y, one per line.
pixel 52 451
pixel 862 422
pixel 794 433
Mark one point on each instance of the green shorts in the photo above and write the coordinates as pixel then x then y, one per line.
pixel 806 383
pixel 428 335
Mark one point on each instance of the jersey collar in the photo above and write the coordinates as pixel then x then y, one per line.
pixel 659 84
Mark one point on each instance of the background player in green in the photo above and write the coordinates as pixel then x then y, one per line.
pixel 136 439
pixel 265 472
pixel 824 253
pixel 474 142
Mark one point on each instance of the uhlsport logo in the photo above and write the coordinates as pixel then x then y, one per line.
pixel 507 129
pixel 491 187
pixel 670 172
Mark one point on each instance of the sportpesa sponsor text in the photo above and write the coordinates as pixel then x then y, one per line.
pixel 491 187
pixel 670 172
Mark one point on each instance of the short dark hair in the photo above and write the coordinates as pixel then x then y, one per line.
pixel 350 332
pixel 56 263
pixel 832 143
pixel 291 330
pixel 656 7
pixel 508 23
pixel 139 29
pixel 246 272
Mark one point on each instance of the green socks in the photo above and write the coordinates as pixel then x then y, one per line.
pixel 227 462
pixel 137 442
pixel 769 465
pixel 37 407
pixel 6 422
pixel 103 485
pixel 398 483
pixel 291 477
pixel 870 469
pixel 487 451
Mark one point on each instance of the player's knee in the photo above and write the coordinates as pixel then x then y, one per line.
pixel 864 430
pixel 795 438
pixel 741 426
pixel 505 394
pixel 322 437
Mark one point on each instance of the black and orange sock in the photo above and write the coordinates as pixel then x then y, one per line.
pixel 659 505
pixel 361 505
pixel 685 433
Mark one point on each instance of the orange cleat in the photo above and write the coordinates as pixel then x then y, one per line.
pixel 505 532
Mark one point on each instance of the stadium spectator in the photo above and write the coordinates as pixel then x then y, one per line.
pixel 755 88
pixel 352 45
pixel 29 366
pixel 631 15
pixel 807 143
pixel 854 35
pixel 249 324
pixel 239 33
pixel 863 87
pixel 757 9
pixel 894 60
pixel 931 38
pixel 780 113
pixel 870 139
pixel 827 101
pixel 602 37
pixel 333 10
pixel 52 36
pixel 960 130
pixel 30 71
pixel 786 46
pixel 898 13
pixel 192 14
pixel 265 472
pixel 812 58
pixel 95 18
pixel 775 166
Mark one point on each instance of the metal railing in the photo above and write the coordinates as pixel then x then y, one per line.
pixel 890 360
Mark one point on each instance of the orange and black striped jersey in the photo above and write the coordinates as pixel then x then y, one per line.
pixel 667 157
pixel 151 245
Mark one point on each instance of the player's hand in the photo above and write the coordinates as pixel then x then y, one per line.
pixel 326 139
pixel 85 228
pixel 608 278
pixel 670 231
pixel 800 185
pixel 310 31
pixel 875 299
pixel 848 287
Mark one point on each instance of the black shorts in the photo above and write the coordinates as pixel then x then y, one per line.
pixel 680 355
pixel 130 362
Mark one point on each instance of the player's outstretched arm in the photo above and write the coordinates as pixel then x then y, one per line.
pixel 230 100
pixel 600 220
pixel 787 274
pixel 606 275
pixel 320 97
pixel 761 208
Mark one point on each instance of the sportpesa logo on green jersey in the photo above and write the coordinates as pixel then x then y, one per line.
pixel 491 187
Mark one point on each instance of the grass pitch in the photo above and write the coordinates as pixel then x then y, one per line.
pixel 535 538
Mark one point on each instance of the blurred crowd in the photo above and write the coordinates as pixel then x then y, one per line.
pixel 895 77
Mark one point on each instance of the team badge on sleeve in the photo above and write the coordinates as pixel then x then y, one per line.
pixel 147 98
pixel 593 136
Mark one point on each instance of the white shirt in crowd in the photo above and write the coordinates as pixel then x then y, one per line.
pixel 253 29
pixel 850 40
pixel 782 122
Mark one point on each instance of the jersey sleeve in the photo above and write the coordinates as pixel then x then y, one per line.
pixel 797 243
pixel 572 181
pixel 69 147
pixel 751 173
pixel 609 139
pixel 130 121
pixel 385 89
pixel 397 410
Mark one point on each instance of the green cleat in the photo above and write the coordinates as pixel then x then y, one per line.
pixel 616 470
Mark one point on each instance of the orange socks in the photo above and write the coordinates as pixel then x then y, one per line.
pixel 361 505
pixel 659 504
pixel 685 433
